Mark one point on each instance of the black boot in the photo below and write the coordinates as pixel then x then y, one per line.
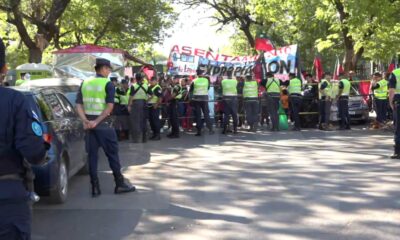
pixel 224 130
pixel 396 154
pixel 144 137
pixel 198 134
pixel 121 186
pixel 155 138
pixel 95 188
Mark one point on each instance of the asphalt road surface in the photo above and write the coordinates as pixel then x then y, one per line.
pixel 287 185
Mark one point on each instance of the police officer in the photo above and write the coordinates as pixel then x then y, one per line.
pixel 295 99
pixel 343 102
pixel 138 109
pixel 176 96
pixel 394 101
pixel 199 90
pixel 272 88
pixel 325 102
pixel 154 108
pixel 251 102
pixel 121 110
pixel 380 88
pixel 20 138
pixel 230 102
pixel 95 102
pixel 21 80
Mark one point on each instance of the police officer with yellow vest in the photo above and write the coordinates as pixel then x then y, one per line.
pixel 121 110
pixel 325 101
pixel 380 88
pixel 176 96
pixel 295 99
pixel 251 102
pixel 343 102
pixel 229 89
pixel 138 109
pixel 95 102
pixel 394 101
pixel 154 108
pixel 199 91
pixel 273 89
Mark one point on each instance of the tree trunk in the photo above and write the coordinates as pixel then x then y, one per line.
pixel 348 59
pixel 35 55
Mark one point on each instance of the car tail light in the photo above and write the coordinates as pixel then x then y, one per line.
pixel 47 137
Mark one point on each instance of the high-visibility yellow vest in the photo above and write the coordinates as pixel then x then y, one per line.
pixel 346 87
pixel 200 87
pixel 154 99
pixel 396 73
pixel 179 95
pixel 229 87
pixel 250 89
pixel 94 95
pixel 140 94
pixel 294 86
pixel 273 85
pixel 327 92
pixel 382 91
pixel 19 82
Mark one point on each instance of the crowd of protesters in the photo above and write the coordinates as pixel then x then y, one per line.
pixel 166 102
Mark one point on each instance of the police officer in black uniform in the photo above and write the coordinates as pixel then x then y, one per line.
pixel 99 130
pixel 20 138
pixel 176 93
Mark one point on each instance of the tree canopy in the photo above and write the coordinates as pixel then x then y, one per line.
pixel 53 24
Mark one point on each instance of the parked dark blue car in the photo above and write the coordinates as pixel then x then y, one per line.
pixel 64 131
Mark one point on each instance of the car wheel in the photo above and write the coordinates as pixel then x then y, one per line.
pixel 60 192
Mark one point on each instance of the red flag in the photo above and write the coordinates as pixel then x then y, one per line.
pixel 319 71
pixel 391 67
pixel 149 71
pixel 338 69
pixel 264 44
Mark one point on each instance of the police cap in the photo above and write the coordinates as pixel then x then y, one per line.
pixel 102 62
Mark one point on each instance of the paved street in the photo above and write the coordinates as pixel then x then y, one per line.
pixel 287 185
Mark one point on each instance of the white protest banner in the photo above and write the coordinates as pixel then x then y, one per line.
pixel 185 60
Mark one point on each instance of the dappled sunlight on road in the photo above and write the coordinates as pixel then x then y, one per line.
pixel 307 185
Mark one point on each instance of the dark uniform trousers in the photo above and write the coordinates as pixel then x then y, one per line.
pixel 324 110
pixel 230 109
pixel 344 112
pixel 295 104
pixel 154 118
pixel 381 109
pixel 264 109
pixel 173 116
pixel 396 116
pixel 138 118
pixel 15 212
pixel 252 108
pixel 273 107
pixel 105 137
pixel 199 107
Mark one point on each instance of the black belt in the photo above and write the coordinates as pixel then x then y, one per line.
pixel 295 95
pixel 344 97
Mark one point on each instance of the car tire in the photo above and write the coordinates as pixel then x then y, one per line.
pixel 59 194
